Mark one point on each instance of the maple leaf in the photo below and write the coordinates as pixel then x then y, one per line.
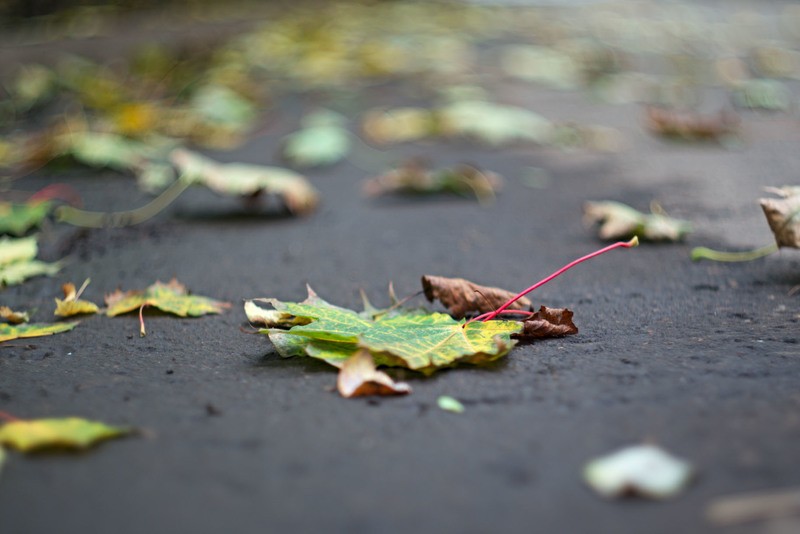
pixel 414 178
pixel 783 215
pixel 72 304
pixel 17 262
pixel 13 317
pixel 462 297
pixel 9 332
pixel 240 179
pixel 67 433
pixel 18 218
pixel 358 377
pixel 422 342
pixel 171 297
pixel 323 140
pixel 548 322
pixel 620 221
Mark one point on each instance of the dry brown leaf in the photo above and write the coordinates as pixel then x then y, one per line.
pixel 358 377
pixel 691 126
pixel 461 296
pixel 548 322
pixel 783 215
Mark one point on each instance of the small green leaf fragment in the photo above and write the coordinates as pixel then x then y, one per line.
pixel 9 332
pixel 67 433
pixel 449 404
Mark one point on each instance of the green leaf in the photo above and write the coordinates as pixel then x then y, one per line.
pixel 220 105
pixel 171 298
pixel 17 263
pixel 323 140
pixel 68 433
pixel 9 332
pixel 423 342
pixel 16 219
pixel 244 180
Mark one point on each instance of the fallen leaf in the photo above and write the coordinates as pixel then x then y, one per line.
pixel 17 262
pixel 244 180
pixel 323 140
pixel 449 404
pixel 761 505
pixel 767 94
pixel 18 218
pixel 415 178
pixel 548 322
pixel 358 377
pixel 691 126
pixel 620 221
pixel 9 332
pixel 422 342
pixel 462 297
pixel 13 317
pixel 67 433
pixel 543 65
pixel 783 215
pixel 493 124
pixel 397 125
pixel 642 470
pixel 72 304
pixel 171 297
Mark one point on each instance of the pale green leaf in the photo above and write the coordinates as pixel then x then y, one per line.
pixel 14 250
pixel 68 433
pixel 620 221
pixel 9 331
pixel 323 140
pixel 240 179
pixel 221 105
pixel 494 124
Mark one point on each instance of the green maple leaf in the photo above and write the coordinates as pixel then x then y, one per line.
pixel 16 218
pixel 423 342
pixel 69 433
pixel 171 297
pixel 9 331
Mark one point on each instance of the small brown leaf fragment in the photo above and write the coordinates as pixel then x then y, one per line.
pixel 783 216
pixel 358 377
pixel 13 317
pixel 462 297
pixel 691 126
pixel 548 322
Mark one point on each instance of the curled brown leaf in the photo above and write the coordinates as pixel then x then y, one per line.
pixel 548 322
pixel 462 297
pixel 691 126
pixel 783 216
pixel 358 377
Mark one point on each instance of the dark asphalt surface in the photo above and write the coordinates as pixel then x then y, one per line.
pixel 700 358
